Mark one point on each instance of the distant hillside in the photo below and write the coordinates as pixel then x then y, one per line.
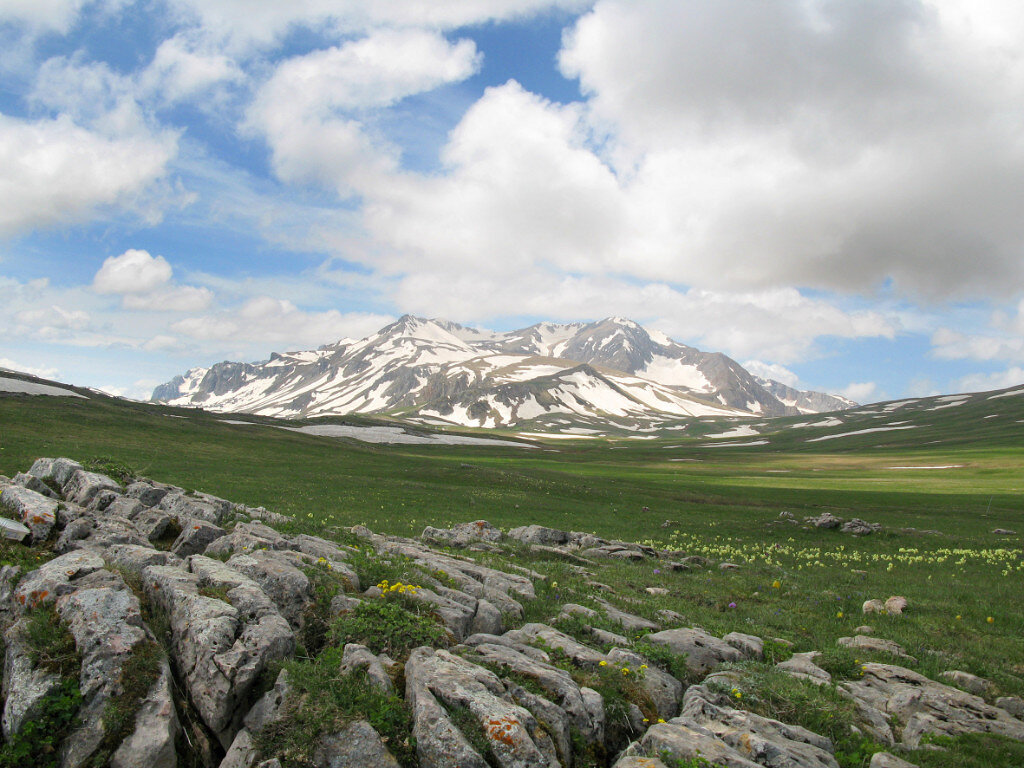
pixel 609 372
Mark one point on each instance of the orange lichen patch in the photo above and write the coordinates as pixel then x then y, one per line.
pixel 745 744
pixel 502 728
pixel 38 519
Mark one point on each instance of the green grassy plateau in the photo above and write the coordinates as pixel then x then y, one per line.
pixel 939 490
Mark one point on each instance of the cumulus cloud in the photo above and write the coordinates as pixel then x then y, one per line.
pixel 274 323
pixel 983 382
pixel 772 371
pixel 184 66
pixel 260 22
pixel 134 271
pixel 860 391
pixel 48 15
pixel 848 145
pixel 1002 341
pixel 43 373
pixel 311 111
pixel 53 171
pixel 144 283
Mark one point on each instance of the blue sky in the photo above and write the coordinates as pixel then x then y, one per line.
pixel 827 192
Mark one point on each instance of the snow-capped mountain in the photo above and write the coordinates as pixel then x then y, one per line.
pixel 611 372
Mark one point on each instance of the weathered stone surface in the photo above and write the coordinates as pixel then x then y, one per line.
pixel 356 658
pixel 148 493
pixel 802 665
pixel 24 685
pixel 760 739
pixel 896 605
pixel 515 737
pixel 530 634
pixel 703 651
pixel 877 644
pixel 664 690
pixel 681 741
pixel 106 624
pixel 628 621
pixel 461 536
pixel 859 527
pixel 134 558
pixel 59 470
pixel 979 686
pixel 629 761
pixel 83 486
pixel 825 520
pixel 1012 704
pixel 57 577
pixel 279 575
pixel 242 752
pixel 221 647
pixel 151 743
pixel 196 535
pixel 557 683
pixel 205 507
pixel 34 483
pixel 36 511
pixel 1004 532
pixel 357 745
pixel 922 706
pixel 538 534
pixel 98 531
pixel 247 537
pixel 750 646
pixel 487 619
pixel 873 606
pixel 888 760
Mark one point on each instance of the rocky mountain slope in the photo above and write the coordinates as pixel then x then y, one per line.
pixel 612 371
pixel 145 626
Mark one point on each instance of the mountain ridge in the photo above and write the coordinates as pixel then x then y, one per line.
pixel 441 372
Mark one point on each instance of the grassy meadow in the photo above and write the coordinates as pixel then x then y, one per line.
pixel 964 584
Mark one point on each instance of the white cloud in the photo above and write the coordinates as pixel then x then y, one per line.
pixel 1002 341
pixel 983 382
pixel 311 111
pixel 851 144
pixel 56 172
pixel 772 371
pixel 522 190
pixel 782 325
pixel 183 67
pixel 144 283
pixel 43 373
pixel 248 22
pixel 51 15
pixel 860 392
pixel 134 271
pixel 267 323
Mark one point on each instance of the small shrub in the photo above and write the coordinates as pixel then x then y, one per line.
pixel 323 700
pixel 38 742
pixel 388 626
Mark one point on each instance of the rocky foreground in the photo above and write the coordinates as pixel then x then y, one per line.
pixel 181 607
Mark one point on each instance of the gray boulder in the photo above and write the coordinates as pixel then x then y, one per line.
pixel 801 665
pixel 24 685
pixel 876 644
pixel 461 536
pixel 436 679
pixel 33 509
pixel 220 646
pixel 919 705
pixel 196 535
pixel 357 745
pixel 83 486
pixel 58 470
pixel 703 651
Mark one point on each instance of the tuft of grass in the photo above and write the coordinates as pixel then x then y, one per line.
pixel 112 468
pixel 471 728
pixel 819 708
pixel 974 750
pixel 51 647
pixel 323 700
